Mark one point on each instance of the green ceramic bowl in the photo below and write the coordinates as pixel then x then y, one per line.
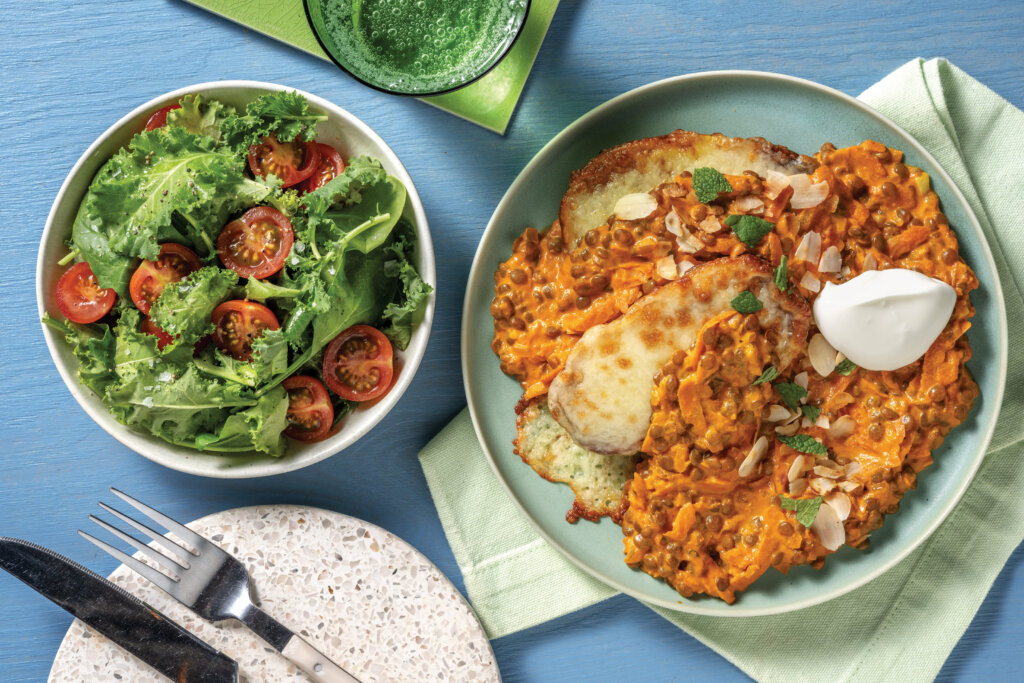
pixel 800 115
pixel 348 57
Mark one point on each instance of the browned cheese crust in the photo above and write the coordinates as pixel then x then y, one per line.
pixel 642 165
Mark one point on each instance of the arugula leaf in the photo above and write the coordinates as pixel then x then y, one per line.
pixel 746 302
pixel 804 443
pixel 708 183
pixel 200 116
pixel 769 375
pixel 811 412
pixel 257 428
pixel 131 202
pixel 749 229
pixel 806 508
pixel 791 394
pixel 183 309
pixel 781 274
pixel 845 367
pixel 261 290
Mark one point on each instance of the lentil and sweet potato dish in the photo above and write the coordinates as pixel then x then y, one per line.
pixel 752 457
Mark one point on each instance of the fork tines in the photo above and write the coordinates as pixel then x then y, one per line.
pixel 175 560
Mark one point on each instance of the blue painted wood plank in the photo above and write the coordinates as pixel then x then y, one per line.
pixel 69 69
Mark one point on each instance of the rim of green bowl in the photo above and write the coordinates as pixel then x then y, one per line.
pixel 379 88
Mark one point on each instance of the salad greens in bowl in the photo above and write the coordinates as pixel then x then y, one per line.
pixel 235 279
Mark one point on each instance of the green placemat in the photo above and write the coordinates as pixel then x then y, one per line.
pixel 488 102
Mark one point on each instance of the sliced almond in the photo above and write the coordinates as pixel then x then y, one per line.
pixel 635 206
pixel 822 422
pixel 805 193
pixel 757 452
pixel 796 470
pixel 842 427
pixel 748 204
pixel 822 485
pixel 673 223
pixel 829 528
pixel 822 355
pixel 840 503
pixel 831 261
pixel 797 486
pixel 841 399
pixel 666 268
pixel 809 248
pixel 688 243
pixel 801 380
pixel 848 486
pixel 683 266
pixel 827 472
pixel 789 429
pixel 852 468
pixel 840 357
pixel 774 183
pixel 870 262
pixel 777 413
pixel 710 225
pixel 810 283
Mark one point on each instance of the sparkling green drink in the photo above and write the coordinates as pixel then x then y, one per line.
pixel 417 47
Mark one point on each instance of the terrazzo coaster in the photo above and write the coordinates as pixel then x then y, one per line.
pixel 363 596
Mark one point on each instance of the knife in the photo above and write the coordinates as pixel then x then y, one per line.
pixel 120 616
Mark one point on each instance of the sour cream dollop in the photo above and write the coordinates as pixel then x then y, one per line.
pixel 884 319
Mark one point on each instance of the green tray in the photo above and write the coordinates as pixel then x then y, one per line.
pixel 488 102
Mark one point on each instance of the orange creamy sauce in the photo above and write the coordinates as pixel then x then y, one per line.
pixel 690 518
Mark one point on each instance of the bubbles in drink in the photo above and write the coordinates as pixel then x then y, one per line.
pixel 426 45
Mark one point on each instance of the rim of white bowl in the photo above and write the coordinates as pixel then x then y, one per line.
pixel 997 293
pixel 227 466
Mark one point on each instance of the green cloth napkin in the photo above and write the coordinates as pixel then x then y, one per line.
pixel 488 102
pixel 904 624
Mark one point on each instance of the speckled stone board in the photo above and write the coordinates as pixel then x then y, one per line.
pixel 363 596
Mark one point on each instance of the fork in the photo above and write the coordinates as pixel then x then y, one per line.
pixel 212 583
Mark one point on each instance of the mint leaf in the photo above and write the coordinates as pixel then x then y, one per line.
pixel 805 444
pixel 791 393
pixel 781 275
pixel 749 229
pixel 806 508
pixel 708 183
pixel 845 367
pixel 746 303
pixel 769 374
pixel 811 412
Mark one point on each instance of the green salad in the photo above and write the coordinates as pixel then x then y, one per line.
pixel 234 282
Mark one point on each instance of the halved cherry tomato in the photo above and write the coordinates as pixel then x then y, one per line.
pixel 256 244
pixel 159 117
pixel 79 296
pixel 150 278
pixel 238 324
pixel 292 162
pixel 310 413
pixel 330 166
pixel 150 327
pixel 358 364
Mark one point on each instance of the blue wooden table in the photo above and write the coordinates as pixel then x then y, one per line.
pixel 70 69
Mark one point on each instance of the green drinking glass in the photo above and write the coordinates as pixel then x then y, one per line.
pixel 417 47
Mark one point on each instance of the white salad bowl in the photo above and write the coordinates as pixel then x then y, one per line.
pixel 342 130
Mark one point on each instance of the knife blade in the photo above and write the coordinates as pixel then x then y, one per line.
pixel 117 614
